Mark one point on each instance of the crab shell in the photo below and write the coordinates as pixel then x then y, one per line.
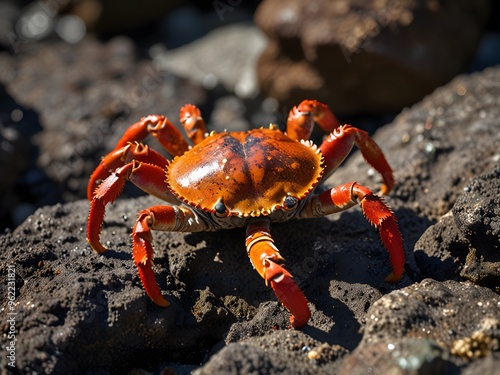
pixel 246 173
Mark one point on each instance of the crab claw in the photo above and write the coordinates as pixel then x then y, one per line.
pixel 301 119
pixel 263 255
pixel 190 117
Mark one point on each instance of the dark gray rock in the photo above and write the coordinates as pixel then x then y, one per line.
pixel 441 311
pixel 427 328
pixel 277 352
pixel 477 213
pixel 440 252
pixel 434 145
pixel 97 89
pixel 400 356
pixel 80 312
pixel 226 56
pixel 464 243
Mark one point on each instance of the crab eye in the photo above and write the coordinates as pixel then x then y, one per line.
pixel 291 202
pixel 221 209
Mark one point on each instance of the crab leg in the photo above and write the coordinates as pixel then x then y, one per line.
pixel 344 196
pixel 301 119
pixel 340 142
pixel 119 157
pixel 190 117
pixel 337 146
pixel 148 177
pixel 167 218
pixel 264 255
pixel 159 126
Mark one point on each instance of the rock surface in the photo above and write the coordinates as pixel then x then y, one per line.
pixel 365 56
pixel 468 236
pixel 97 89
pixel 199 63
pixel 80 312
pixel 74 311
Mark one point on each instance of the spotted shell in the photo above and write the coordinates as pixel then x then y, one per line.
pixel 251 173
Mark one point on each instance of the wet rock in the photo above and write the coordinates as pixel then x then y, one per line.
pixel 376 56
pixel 484 365
pixel 441 251
pixel 75 309
pixel 441 311
pixel 433 146
pixel 90 304
pixel 36 21
pixel 23 186
pixel 464 243
pixel 481 224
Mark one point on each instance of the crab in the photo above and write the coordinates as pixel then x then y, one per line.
pixel 244 179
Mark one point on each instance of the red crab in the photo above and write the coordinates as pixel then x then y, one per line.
pixel 241 179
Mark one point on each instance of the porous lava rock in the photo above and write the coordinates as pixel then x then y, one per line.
pixel 81 312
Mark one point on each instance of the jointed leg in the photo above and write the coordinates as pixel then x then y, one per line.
pixel 148 177
pixel 264 255
pixel 340 142
pixel 120 157
pixel 344 196
pixel 166 218
pixel 159 126
pixel 193 123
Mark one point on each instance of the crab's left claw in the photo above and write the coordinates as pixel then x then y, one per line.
pixel 264 255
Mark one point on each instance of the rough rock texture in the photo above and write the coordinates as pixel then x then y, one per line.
pixel 365 56
pixel 417 328
pixel 468 237
pixel 74 311
pixel 96 89
pixel 440 137
pixel 100 99
pixel 80 312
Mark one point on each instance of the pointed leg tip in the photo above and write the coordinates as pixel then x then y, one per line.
pixel 161 301
pixel 293 299
pixel 298 322
pixel 97 246
pixel 393 278
pixel 384 190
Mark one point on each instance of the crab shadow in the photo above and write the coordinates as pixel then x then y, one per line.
pixel 326 256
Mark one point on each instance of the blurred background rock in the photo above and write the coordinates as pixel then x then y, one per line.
pixel 75 74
